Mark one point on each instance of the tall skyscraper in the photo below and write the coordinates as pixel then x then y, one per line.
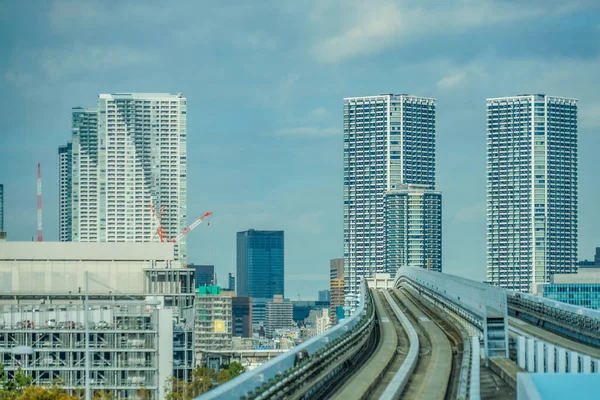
pixel 413 228
pixel 65 197
pixel 388 140
pixel 260 264
pixel 1 207
pixel 127 154
pixel 531 190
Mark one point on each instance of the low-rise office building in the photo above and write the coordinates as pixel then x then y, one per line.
pixel 580 289
pixel 279 315
pixel 141 301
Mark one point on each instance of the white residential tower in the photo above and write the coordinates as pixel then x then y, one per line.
pixel 126 154
pixel 389 140
pixel 531 189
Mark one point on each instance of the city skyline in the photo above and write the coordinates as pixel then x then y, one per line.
pixel 274 161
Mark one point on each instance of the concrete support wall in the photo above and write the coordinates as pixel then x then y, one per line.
pixel 562 361
pixel 530 355
pixel 521 351
pixel 539 357
pixel 550 367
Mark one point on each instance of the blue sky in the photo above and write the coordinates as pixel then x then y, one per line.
pixel 265 82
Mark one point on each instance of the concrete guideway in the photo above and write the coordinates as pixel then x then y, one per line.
pixel 432 375
pixel 364 382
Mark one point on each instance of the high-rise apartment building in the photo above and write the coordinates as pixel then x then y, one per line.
pixel 389 140
pixel 413 228
pixel 260 264
pixel 336 288
pixel 65 204
pixel 531 189
pixel 1 207
pixel 126 154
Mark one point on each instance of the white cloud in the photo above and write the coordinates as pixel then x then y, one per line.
pixel 369 27
pixel 452 80
pixel 311 131
pixel 319 113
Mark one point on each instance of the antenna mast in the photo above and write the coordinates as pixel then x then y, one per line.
pixel 39 203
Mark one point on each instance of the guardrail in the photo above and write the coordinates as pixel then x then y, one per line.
pixel 396 386
pixel 258 382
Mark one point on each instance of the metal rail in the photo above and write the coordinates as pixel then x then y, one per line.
pixel 398 383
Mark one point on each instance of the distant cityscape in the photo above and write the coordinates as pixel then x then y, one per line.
pixel 121 260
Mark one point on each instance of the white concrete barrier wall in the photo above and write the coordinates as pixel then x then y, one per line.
pixel 550 366
pixel 530 355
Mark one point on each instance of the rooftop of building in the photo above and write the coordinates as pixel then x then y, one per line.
pixel 75 251
pixel 538 96
pixel 392 95
pixel 140 96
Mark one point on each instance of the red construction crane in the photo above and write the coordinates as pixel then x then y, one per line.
pixel 158 219
pixel 161 230
pixel 191 227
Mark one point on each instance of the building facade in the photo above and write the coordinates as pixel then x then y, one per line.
pixel 324 295
pixel 388 140
pixel 126 154
pixel 279 315
pixel 413 228
pixel 531 190
pixel 213 321
pixel 204 274
pixel 336 288
pixel 260 264
pixel 231 280
pixel 242 316
pixel 595 263
pixel 65 194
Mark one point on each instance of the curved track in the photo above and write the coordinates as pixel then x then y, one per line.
pixel 372 377
pixel 432 375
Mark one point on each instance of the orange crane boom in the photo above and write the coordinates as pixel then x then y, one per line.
pixel 158 219
pixel 191 227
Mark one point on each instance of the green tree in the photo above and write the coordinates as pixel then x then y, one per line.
pixel 102 395
pixel 235 369
pixel 176 389
pixel 202 381
pixel 223 376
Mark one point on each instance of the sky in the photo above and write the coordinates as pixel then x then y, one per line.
pixel 265 82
